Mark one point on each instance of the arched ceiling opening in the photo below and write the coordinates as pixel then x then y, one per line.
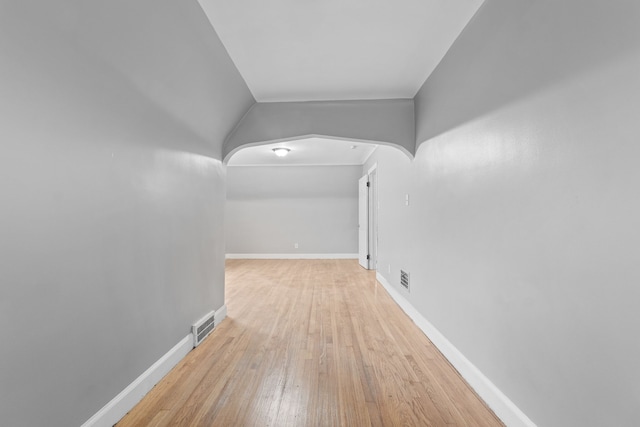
pixel 311 151
pixel 386 122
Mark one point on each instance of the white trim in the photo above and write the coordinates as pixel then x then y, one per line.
pixel 118 407
pixel 372 168
pixel 292 256
pixel 220 315
pixel 504 408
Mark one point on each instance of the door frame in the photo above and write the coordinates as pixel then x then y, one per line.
pixel 363 221
pixel 374 205
pixel 368 243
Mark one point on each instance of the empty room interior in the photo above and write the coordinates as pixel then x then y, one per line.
pixel 450 238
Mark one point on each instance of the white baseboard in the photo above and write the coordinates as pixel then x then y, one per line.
pixel 118 407
pixel 220 315
pixel 292 256
pixel 504 408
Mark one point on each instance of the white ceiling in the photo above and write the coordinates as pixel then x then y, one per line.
pixel 304 50
pixel 310 151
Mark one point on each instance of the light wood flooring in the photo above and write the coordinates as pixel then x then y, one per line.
pixel 311 343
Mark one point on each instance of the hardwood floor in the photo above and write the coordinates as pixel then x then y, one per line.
pixel 311 343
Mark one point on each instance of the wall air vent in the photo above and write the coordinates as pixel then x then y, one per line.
pixel 404 279
pixel 202 328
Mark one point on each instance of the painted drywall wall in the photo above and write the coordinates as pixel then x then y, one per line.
pixel 270 208
pixel 388 121
pixel 112 195
pixel 522 230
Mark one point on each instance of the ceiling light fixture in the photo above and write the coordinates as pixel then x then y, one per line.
pixel 281 151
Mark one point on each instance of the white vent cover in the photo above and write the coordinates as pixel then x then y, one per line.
pixel 202 328
pixel 404 279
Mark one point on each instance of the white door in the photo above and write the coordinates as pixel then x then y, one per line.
pixel 363 221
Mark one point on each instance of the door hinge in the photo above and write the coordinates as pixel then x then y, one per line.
pixel 368 184
pixel 368 256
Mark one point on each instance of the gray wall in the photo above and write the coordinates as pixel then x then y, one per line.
pixel 269 208
pixel 111 235
pixel 523 229
pixel 521 237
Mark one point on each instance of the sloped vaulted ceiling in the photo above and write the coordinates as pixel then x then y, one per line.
pixel 302 50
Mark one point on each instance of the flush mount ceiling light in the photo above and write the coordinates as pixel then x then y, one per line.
pixel 281 151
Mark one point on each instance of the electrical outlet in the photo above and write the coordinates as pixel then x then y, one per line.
pixel 295 245
pixel 389 268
